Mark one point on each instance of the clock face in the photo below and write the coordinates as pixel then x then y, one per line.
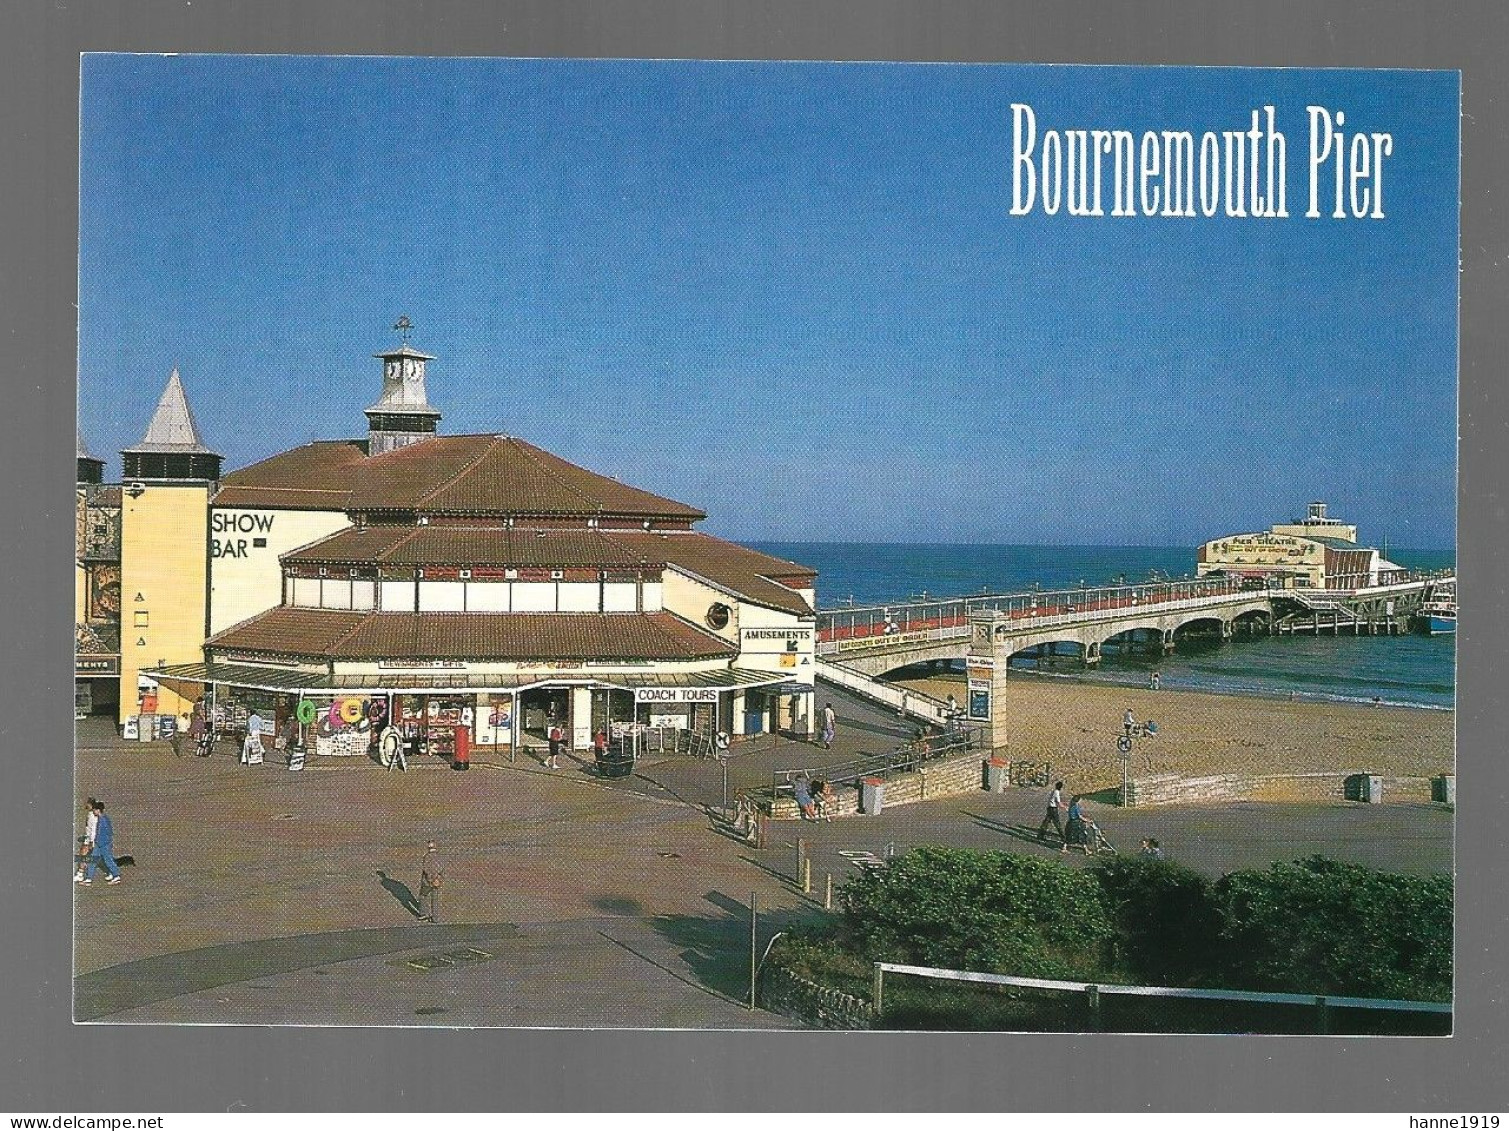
pixel 982 634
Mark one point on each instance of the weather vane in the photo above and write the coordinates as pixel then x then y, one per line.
pixel 403 326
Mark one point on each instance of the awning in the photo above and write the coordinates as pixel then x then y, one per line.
pixel 726 679
pixel 278 679
pixel 270 678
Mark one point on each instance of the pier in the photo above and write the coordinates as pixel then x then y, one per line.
pixel 858 646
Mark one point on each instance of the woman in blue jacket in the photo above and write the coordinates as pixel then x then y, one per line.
pixel 104 848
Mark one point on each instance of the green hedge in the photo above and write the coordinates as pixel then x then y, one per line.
pixel 1321 926
pixel 990 911
pixel 1315 926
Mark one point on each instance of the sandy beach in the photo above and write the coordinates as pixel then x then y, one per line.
pixel 1073 726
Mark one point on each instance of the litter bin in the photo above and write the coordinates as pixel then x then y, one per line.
pixel 996 775
pixel 616 760
pixel 1367 788
pixel 1443 788
pixel 296 754
pixel 871 795
pixel 462 758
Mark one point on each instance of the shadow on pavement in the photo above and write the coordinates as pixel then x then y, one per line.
pixel 614 905
pixel 1027 833
pixel 132 984
pixel 716 949
pixel 400 891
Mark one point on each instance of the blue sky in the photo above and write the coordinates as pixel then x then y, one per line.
pixel 788 293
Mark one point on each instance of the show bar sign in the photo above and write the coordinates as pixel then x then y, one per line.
pixel 675 695
pixel 97 665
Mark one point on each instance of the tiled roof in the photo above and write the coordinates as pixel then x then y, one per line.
pixel 337 635
pixel 317 476
pixel 289 631
pixel 463 475
pixel 471 546
pixel 737 568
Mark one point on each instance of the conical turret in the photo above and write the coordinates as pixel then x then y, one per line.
pixel 172 447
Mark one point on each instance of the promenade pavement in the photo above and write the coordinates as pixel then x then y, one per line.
pixel 260 895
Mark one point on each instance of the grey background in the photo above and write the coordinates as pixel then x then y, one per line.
pixel 50 1065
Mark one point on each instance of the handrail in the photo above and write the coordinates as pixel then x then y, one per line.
pixel 1034 618
pixel 1319 1000
pixel 906 757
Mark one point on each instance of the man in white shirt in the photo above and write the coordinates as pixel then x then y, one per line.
pixel 253 743
pixel 1055 803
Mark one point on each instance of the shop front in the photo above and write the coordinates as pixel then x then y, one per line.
pixel 344 715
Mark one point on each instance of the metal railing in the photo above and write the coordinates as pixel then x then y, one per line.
pixel 1087 606
pixel 906 700
pixel 1321 1003
pixel 906 758
pixel 917 619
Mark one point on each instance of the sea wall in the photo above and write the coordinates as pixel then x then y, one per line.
pixel 961 773
pixel 1174 789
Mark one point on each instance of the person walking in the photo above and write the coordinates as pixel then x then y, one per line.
pixel 391 749
pixel 1055 803
pixel 830 725
pixel 251 748
pixel 197 728
pixel 555 737
pixel 430 876
pixel 1154 681
pixel 86 842
pixel 1128 721
pixel 104 847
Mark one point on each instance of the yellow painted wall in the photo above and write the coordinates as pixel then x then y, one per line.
pixel 164 580
pixel 246 579
pixel 80 592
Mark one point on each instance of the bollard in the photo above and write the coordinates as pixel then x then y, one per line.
pixel 807 876
pixel 801 854
pixel 828 893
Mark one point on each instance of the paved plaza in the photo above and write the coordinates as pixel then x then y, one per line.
pixel 259 895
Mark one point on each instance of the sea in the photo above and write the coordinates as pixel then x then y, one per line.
pixel 1411 670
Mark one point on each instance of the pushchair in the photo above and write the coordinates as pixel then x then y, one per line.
pixel 1085 835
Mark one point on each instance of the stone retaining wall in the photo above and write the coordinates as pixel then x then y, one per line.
pixel 1173 789
pixel 785 992
pixel 963 773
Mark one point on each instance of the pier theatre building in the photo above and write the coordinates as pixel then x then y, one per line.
pixel 466 589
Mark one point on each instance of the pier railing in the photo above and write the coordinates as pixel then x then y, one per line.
pixel 949 618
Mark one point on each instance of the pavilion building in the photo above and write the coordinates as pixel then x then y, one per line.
pixel 478 582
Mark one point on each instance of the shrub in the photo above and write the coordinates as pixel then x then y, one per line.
pixel 1166 922
pixel 1325 927
pixel 985 911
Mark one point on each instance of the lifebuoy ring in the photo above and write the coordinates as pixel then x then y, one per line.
pixel 376 710
pixel 306 712
pixel 351 711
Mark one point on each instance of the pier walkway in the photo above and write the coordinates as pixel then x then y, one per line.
pixel 876 639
